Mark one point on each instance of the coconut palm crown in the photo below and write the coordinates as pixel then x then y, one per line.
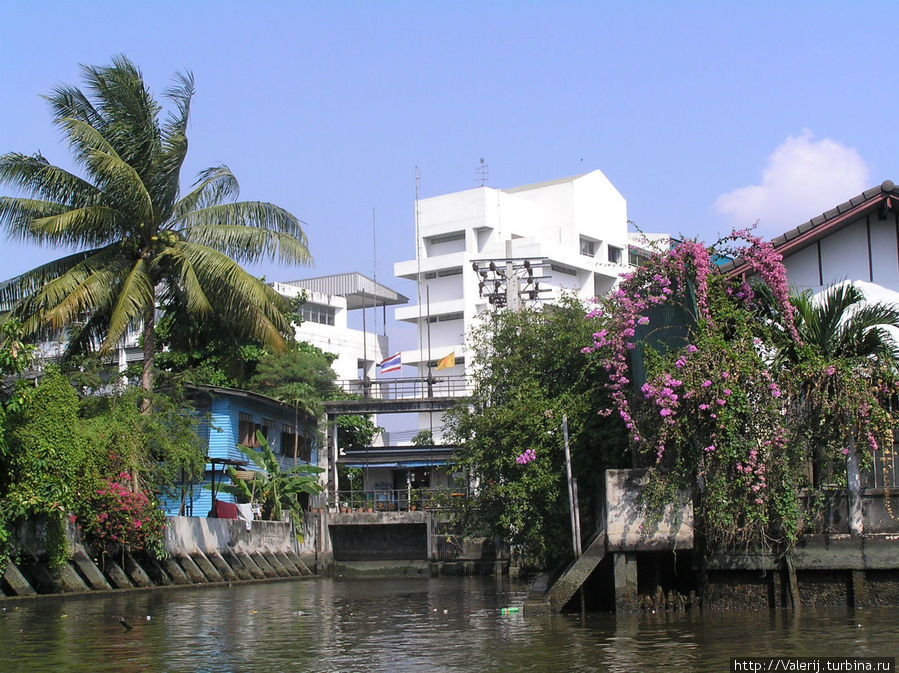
pixel 842 324
pixel 141 242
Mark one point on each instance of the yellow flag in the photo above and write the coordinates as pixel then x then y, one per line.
pixel 447 362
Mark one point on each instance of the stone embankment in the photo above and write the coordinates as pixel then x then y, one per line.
pixel 200 552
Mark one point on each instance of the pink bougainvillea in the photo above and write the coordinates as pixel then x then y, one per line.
pixel 713 412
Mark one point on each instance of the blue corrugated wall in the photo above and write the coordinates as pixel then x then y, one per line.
pixel 221 435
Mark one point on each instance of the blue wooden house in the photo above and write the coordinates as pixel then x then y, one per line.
pixel 230 417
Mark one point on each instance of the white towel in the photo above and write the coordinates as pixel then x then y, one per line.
pixel 245 514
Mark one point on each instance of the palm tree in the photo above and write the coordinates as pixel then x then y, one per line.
pixel 838 324
pixel 140 244
pixel 841 325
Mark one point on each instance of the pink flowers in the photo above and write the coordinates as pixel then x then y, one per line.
pixel 526 457
pixel 118 516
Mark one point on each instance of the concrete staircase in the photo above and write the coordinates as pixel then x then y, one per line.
pixel 549 599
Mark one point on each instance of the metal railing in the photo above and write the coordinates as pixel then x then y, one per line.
pixel 884 470
pixel 397 500
pixel 405 388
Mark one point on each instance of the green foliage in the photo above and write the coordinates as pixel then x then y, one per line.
pixel 528 370
pixel 63 451
pixel 423 438
pixel 164 444
pixel 51 460
pixel 274 489
pixel 300 376
pixel 204 352
pixel 351 476
pixel 356 432
pixel 140 243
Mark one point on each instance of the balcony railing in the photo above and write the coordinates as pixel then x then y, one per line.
pixel 406 388
pixel 397 500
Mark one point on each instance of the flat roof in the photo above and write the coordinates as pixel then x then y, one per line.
pixel 360 291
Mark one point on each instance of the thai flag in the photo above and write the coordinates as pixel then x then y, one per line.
pixel 392 364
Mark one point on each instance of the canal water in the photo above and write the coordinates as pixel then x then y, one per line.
pixel 421 625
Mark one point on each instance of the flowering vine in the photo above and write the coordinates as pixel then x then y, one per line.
pixel 691 361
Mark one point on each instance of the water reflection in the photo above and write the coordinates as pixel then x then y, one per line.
pixel 435 625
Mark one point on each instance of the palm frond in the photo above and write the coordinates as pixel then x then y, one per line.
pixel 165 185
pixel 191 289
pixel 251 244
pixel 245 301
pixel 36 176
pixel 121 182
pixel 93 225
pixel 69 101
pixel 85 338
pixel 212 187
pixel 86 286
pixel 16 289
pixel 128 109
pixel 133 297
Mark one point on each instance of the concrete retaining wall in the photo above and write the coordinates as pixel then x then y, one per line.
pixel 201 551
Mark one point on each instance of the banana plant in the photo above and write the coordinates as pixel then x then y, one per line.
pixel 274 489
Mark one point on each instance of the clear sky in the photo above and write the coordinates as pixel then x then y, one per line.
pixel 704 115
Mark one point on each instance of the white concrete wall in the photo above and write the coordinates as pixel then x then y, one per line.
pixel 885 252
pixel 349 345
pixel 190 534
pixel 844 254
pixel 627 528
pixel 847 255
pixel 541 220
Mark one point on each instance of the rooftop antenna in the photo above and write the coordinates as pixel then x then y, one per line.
pixel 374 262
pixel 418 253
pixel 481 172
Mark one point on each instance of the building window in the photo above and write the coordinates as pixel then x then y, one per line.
pixel 588 247
pixel 637 257
pixel 447 238
pixel 615 254
pixel 567 270
pixel 293 446
pixel 246 430
pixel 446 317
pixel 317 313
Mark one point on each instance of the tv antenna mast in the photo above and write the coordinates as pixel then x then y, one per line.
pixel 481 173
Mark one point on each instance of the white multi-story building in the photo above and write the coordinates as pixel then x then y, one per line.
pixel 325 319
pixel 573 232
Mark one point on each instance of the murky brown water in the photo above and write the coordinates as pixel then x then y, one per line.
pixel 430 625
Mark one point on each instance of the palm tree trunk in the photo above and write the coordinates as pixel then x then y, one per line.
pixel 149 341
pixel 146 378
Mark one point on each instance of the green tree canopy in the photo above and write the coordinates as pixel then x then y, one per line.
pixel 140 241
pixel 528 371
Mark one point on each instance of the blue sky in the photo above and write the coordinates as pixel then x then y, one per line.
pixel 704 115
